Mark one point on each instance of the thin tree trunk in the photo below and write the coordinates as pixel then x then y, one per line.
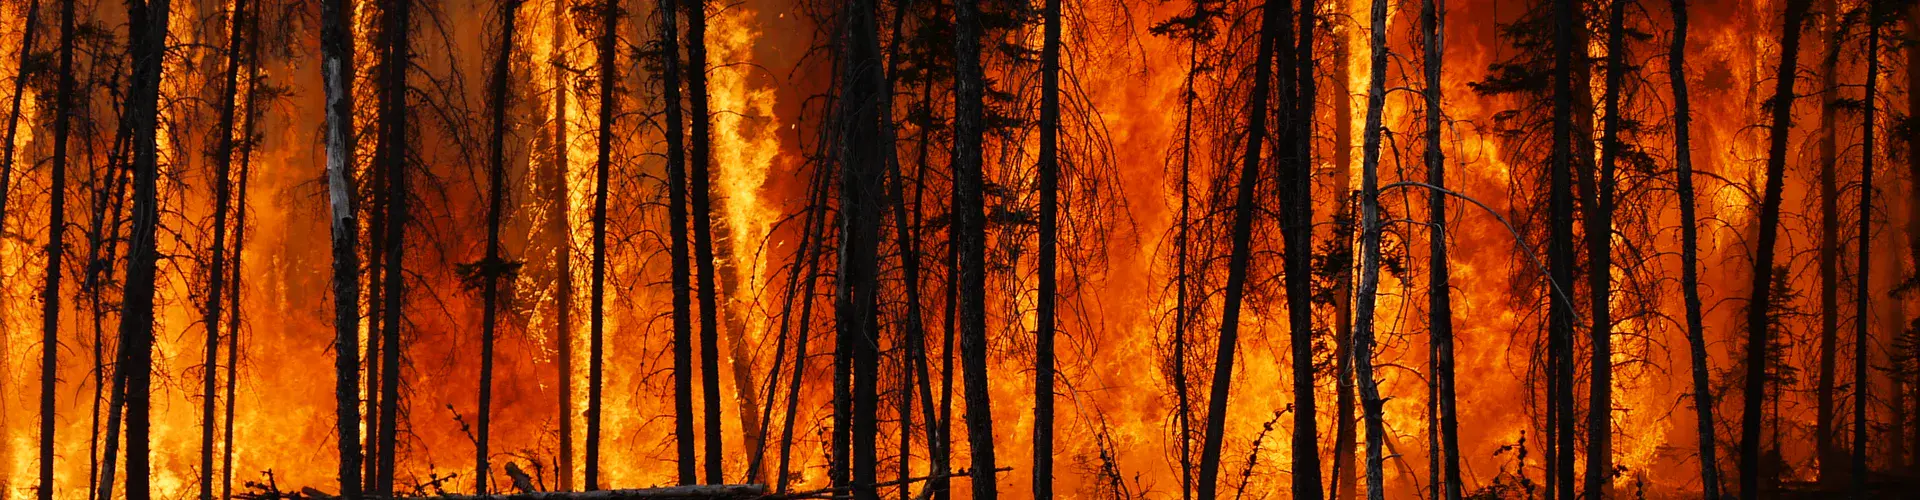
pixel 1912 25
pixel 493 267
pixel 863 141
pixel 609 73
pixel 239 247
pixel 969 207
pixel 1274 19
pixel 147 23
pixel 1345 475
pixel 1440 289
pixel 13 112
pixel 217 271
pixel 1297 217
pixel 1861 391
pixel 701 195
pixel 1690 253
pixel 393 157
pixel 1781 106
pixel 816 220
pixel 558 232
pixel 1049 241
pixel 116 397
pixel 1599 473
pixel 682 276
pixel 56 246
pixel 1561 254
pixel 1824 449
pixel 1363 342
pixel 110 198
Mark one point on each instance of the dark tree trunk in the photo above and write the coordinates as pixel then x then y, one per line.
pixel 1183 408
pixel 217 270
pixel 492 267
pixel 1824 449
pixel 1345 475
pixel 1363 343
pixel 1690 254
pixel 56 245
pixel 1297 214
pixel 1781 106
pixel 1861 389
pixel 1599 473
pixel 554 180
pixel 1275 18
pixel 863 142
pixel 13 111
pixel 677 216
pixel 1439 287
pixel 1049 241
pixel 393 151
pixel 111 202
pixel 816 220
pixel 239 247
pixel 147 25
pixel 701 195
pixel 1912 25
pixel 1560 254
pixel 969 208
pixel 609 73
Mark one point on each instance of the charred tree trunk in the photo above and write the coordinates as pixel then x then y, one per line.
pixel 1439 288
pixel 1049 241
pixel 217 271
pixel 1690 253
pixel 1824 449
pixel 1560 255
pixel 107 225
pixel 701 195
pixel 393 151
pixel 1183 408
pixel 492 267
pixel 1781 106
pixel 1599 473
pixel 13 112
pixel 1864 257
pixel 1274 20
pixel 677 216
pixel 147 25
pixel 969 208
pixel 1296 179
pixel 56 246
pixel 554 180
pixel 1345 475
pixel 816 219
pixel 239 247
pixel 1370 223
pixel 862 142
pixel 609 74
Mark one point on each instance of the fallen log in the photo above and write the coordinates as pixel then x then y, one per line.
pixel 693 492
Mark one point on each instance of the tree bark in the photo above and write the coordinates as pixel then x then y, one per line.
pixel 1297 216
pixel 701 193
pixel 393 152
pixel 492 267
pixel 1345 475
pixel 970 238
pixel 1781 106
pixel 1599 473
pixel 1690 253
pixel 239 247
pixel 863 141
pixel 677 216
pixel 1824 449
pixel 554 179
pixel 1049 241
pixel 1561 254
pixel 1861 385
pixel 609 73
pixel 56 245
pixel 1440 292
pixel 1363 342
pixel 147 26
pixel 1274 19
pixel 217 270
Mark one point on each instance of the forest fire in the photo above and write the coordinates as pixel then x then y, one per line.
pixel 1252 248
